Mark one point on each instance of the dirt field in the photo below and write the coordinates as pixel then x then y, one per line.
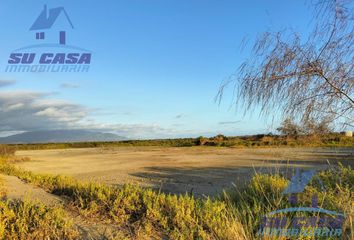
pixel 201 170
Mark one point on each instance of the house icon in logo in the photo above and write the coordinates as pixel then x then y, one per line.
pixel 298 183
pixel 46 20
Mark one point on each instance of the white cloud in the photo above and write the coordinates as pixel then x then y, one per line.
pixel 32 111
pixel 28 111
pixel 14 106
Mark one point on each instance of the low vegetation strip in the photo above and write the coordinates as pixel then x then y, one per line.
pixel 261 140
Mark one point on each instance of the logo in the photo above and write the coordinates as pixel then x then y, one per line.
pixel 312 221
pixel 52 51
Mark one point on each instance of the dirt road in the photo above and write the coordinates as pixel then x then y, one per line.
pixel 201 170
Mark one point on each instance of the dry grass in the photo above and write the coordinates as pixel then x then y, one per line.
pixel 25 220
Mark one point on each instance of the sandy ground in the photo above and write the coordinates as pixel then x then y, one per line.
pixel 200 170
pixel 17 189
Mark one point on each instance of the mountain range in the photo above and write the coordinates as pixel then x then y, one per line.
pixel 61 136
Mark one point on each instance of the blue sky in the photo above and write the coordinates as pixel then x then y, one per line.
pixel 156 66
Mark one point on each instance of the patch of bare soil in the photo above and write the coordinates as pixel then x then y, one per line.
pixel 17 189
pixel 198 170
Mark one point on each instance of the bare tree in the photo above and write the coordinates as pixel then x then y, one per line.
pixel 305 78
pixel 289 128
pixel 311 127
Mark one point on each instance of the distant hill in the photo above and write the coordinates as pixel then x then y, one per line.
pixel 60 136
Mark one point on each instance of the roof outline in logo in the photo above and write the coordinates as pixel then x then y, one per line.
pixel 299 181
pixel 306 209
pixel 52 45
pixel 47 18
